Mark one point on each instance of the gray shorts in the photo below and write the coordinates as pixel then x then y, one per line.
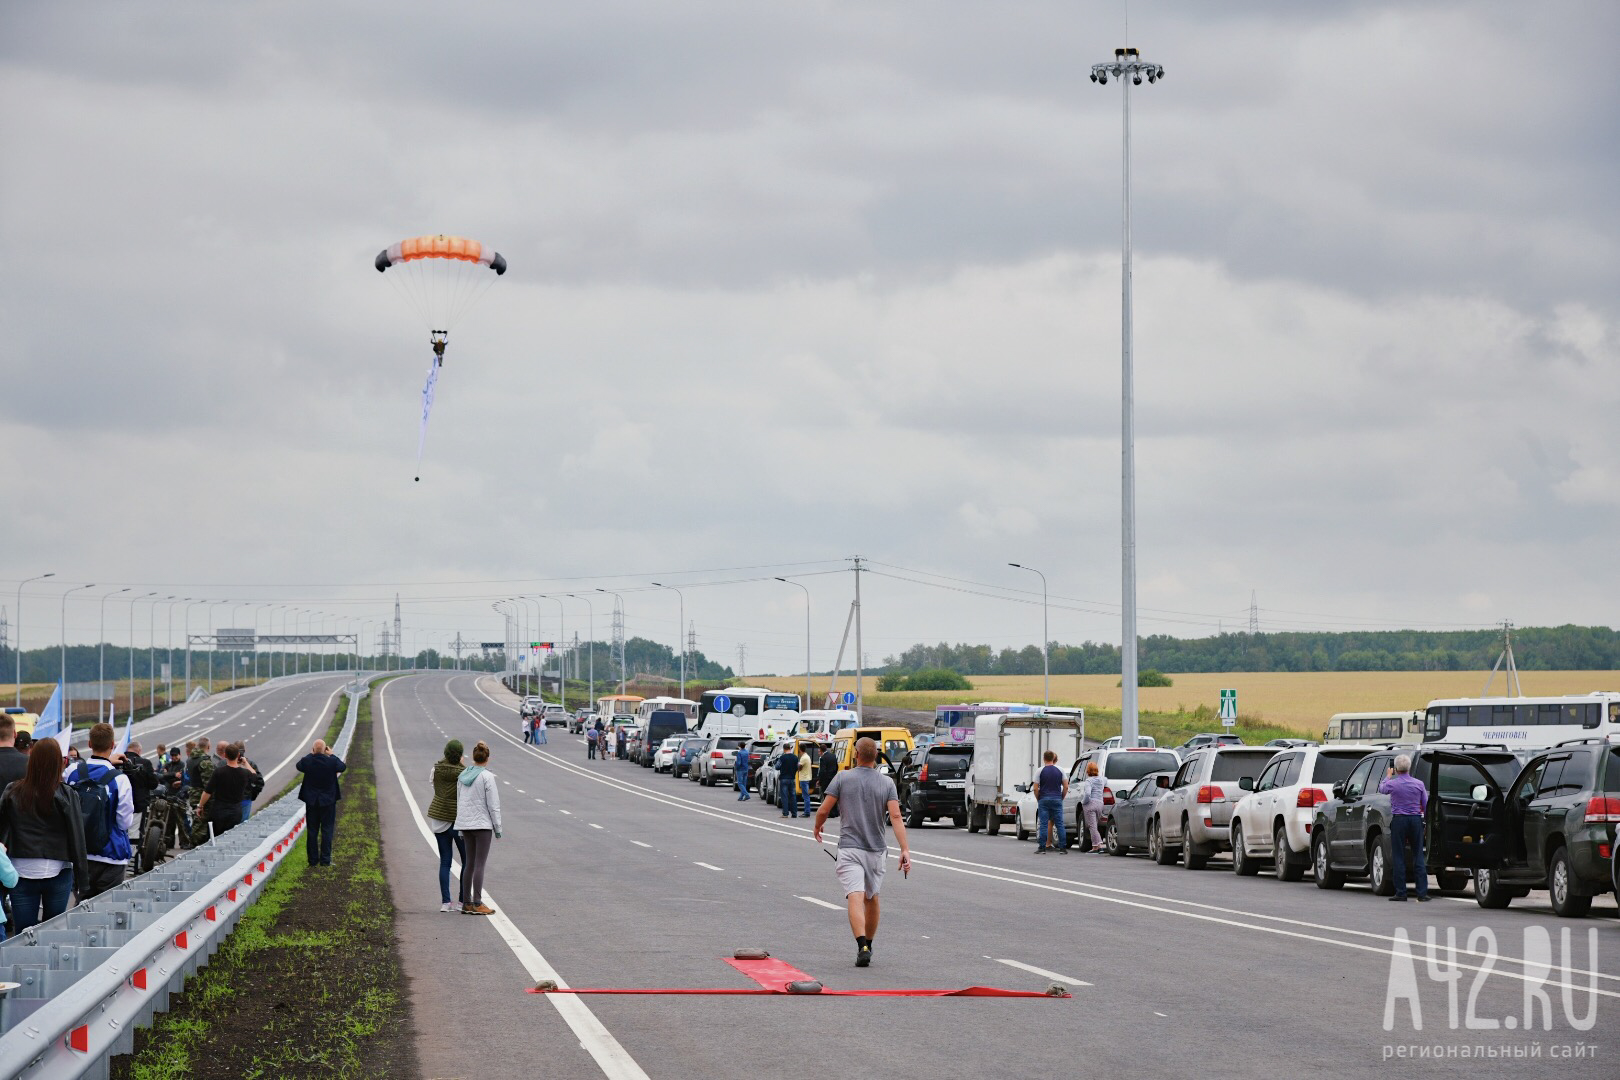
pixel 861 871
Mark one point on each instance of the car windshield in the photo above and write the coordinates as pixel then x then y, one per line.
pixel 947 764
pixel 1236 764
pixel 1135 764
pixel 1334 768
pixel 729 742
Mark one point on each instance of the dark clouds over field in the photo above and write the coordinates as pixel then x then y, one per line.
pixel 797 281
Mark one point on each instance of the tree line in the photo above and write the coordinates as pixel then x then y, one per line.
pixel 1539 648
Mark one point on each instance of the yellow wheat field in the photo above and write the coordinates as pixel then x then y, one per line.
pixel 1300 700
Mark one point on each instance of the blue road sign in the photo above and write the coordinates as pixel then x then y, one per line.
pixel 722 704
pixel 849 697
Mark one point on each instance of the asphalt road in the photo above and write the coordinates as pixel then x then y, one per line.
pixel 279 719
pixel 612 876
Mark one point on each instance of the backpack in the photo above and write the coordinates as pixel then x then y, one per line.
pixel 98 805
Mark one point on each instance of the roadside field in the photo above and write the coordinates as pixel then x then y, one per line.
pixel 1301 701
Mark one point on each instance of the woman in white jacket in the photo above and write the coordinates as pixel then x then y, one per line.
pixel 478 820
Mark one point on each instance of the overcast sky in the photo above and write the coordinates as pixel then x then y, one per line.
pixel 792 282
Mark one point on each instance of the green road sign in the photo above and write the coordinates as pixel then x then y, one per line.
pixel 1228 708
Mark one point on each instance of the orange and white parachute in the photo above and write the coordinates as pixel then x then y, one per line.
pixel 441 278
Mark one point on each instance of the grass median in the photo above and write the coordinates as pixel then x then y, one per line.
pixel 310 983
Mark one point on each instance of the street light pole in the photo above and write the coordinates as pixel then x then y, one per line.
pixel 1129 68
pixel 103 676
pixel 1046 633
pixel 132 602
pixel 151 655
pixel 806 589
pixel 67 713
pixel 189 606
pixel 562 634
pixel 17 652
pixel 590 647
pixel 168 683
pixel 680 637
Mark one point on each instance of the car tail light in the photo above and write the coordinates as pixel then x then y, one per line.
pixel 1210 793
pixel 1310 796
pixel 1108 797
pixel 1602 809
pixel 716 754
pixel 922 775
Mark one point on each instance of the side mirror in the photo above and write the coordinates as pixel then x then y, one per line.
pixel 1246 783
pixel 1162 781
pixel 1021 787
pixel 1480 793
pixel 1338 791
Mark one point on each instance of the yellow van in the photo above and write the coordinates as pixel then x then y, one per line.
pixel 894 743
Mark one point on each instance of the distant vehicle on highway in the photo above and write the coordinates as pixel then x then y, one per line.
pixel 531 705
pixel 1125 824
pixel 691 744
pixel 581 717
pixel 716 759
pixel 664 757
pixel 685 706
pixel 22 718
pixel 1360 728
pixel 1207 738
pixel 932 782
pixel 556 715
pixel 1007 752
pixel 1118 742
pixel 1534 723
pixel 748 710
pixel 660 726
pixel 1193 819
pixel 1286 743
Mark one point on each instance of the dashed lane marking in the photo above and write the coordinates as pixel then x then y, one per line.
pixel 820 903
pixel 709 866
pixel 638 843
pixel 560 810
pixel 1043 973
pixel 594 825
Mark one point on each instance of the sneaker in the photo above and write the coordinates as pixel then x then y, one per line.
pixel 1062 851
pixel 1397 899
pixel 481 909
pixel 863 955
pixel 466 909
pixel 447 906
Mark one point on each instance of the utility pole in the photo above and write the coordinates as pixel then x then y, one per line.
pixel 1254 614
pixel 860 699
pixel 742 661
pixel 398 638
pixel 1512 668
pixel 1129 69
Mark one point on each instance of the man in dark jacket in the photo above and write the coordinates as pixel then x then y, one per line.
pixel 826 769
pixel 142 776
pixel 787 772
pixel 13 762
pixel 320 793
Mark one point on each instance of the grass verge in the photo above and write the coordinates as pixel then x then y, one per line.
pixel 309 984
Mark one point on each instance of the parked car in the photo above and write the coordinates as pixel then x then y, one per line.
pixel 581 717
pixel 1146 742
pixel 717 758
pixel 1274 820
pixel 758 750
pixel 632 744
pixel 1207 738
pixel 556 715
pixel 1122 767
pixel 932 782
pixel 1125 824
pixel 1192 820
pixel 664 756
pixel 767 775
pixel 1350 832
pixel 691 745
pixel 531 706
pixel 1553 828
pixel 1289 743
pixel 1027 817
pixel 662 725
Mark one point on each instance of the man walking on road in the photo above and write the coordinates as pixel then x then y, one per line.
pixel 864 797
pixel 320 794
pixel 1408 798
pixel 740 771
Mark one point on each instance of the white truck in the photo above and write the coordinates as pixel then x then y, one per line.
pixel 1008 750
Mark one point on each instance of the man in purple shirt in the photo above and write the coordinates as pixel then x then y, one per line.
pixel 1408 799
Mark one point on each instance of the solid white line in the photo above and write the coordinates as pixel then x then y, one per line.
pixel 820 903
pixel 614 1061
pixel 709 866
pixel 1043 973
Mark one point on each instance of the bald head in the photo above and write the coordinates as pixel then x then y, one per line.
pixel 319 747
pixel 866 751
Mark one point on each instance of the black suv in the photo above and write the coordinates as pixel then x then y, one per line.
pixel 1350 833
pixel 1553 828
pixel 932 782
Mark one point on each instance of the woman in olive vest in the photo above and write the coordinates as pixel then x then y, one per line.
pixel 442 817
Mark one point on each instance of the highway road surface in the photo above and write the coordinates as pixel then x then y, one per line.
pixel 610 875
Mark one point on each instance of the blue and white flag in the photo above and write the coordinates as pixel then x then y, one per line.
pixel 51 725
pixel 112 718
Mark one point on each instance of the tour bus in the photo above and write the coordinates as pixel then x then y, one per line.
pixel 665 704
pixel 747 710
pixel 955 723
pixel 617 709
pixel 1373 727
pixel 1526 723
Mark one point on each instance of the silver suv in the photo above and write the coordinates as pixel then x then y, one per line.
pixel 1194 818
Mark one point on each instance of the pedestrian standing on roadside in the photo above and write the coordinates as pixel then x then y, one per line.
pixel 43 833
pixel 540 730
pixel 105 792
pixel 744 765
pixel 590 743
pixel 787 779
pixel 13 762
pixel 1091 804
pixel 865 797
pixel 320 793
pixel 478 819
pixel 442 817
pixel 1051 786
pixel 1408 799
pixel 618 743
pixel 221 801
pixel 806 777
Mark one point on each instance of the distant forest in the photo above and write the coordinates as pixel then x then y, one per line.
pixel 1542 648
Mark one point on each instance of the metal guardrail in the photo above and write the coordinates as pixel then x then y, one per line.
pixel 93 975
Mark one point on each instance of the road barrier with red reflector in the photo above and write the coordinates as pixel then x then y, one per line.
pixel 76 1030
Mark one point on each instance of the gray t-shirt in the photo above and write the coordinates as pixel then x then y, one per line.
pixel 863 796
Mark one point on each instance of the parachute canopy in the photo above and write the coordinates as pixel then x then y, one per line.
pixel 441 277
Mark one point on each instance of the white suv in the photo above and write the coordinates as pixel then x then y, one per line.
pixel 664 758
pixel 1274 819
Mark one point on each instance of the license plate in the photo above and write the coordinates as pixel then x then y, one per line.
pixel 955 784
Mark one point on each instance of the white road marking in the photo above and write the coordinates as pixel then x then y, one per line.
pixel 820 903
pixel 709 866
pixel 638 843
pixel 1043 973
pixel 560 810
pixel 614 1061
pixel 1165 1015
pixel 594 825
